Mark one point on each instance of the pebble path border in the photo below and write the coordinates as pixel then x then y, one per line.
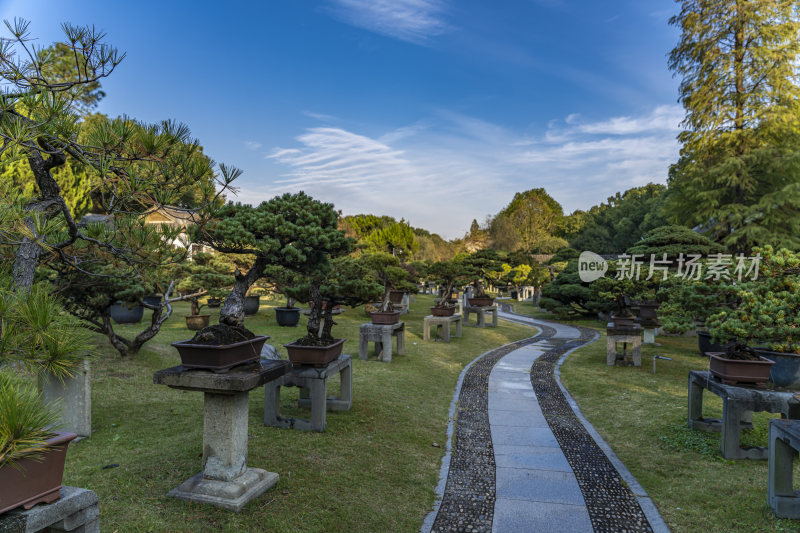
pixel 469 495
pixel 611 505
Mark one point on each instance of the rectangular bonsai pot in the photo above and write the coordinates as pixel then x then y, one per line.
pixel 481 301
pixel 220 358
pixel 735 371
pixel 385 317
pixel 443 311
pixel 314 355
pixel 34 481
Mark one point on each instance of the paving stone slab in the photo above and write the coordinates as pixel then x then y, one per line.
pixel 523 436
pixel 531 458
pixel 525 517
pixel 538 486
pixel 532 419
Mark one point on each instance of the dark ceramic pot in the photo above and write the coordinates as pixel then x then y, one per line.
pixel 287 317
pixel 733 371
pixel 33 481
pixel 314 355
pixel 153 299
pixel 705 345
pixel 251 304
pixel 482 301
pixel 197 322
pixel 786 370
pixel 396 297
pixel 443 311
pixel 220 358
pixel 122 314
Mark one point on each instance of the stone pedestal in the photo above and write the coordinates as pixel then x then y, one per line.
pixel 443 321
pixel 738 405
pixel 784 443
pixel 225 481
pixel 313 383
pixel 626 335
pixel 75 397
pixel 649 336
pixel 481 314
pixel 77 511
pixel 382 335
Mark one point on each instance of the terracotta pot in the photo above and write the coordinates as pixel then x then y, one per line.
pixel 314 355
pixel 220 358
pixel 482 301
pixel 385 317
pixel 34 481
pixel 251 304
pixel 197 322
pixel 287 317
pixel 396 297
pixel 786 370
pixel 733 371
pixel 122 314
pixel 443 311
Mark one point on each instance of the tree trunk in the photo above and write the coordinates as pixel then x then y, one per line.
pixel 232 312
pixel 327 323
pixel 315 316
pixel 120 344
pixel 158 319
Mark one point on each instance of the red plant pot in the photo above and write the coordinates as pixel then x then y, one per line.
pixel 31 481
pixel 220 358
pixel 314 355
pixel 735 371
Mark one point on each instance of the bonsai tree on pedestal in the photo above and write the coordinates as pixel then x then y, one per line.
pixel 386 271
pixel 292 231
pixel 478 266
pixel 446 274
pixel 768 311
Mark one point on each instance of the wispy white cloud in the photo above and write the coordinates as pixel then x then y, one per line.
pixel 252 145
pixel 415 21
pixel 319 116
pixel 443 172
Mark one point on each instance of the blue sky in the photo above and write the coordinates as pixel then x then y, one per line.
pixel 436 111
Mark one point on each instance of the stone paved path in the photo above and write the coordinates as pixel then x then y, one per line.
pixel 550 473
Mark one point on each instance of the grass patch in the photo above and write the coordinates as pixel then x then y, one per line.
pixel 374 468
pixel 643 418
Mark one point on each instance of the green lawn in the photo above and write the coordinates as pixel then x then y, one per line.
pixel 643 417
pixel 374 468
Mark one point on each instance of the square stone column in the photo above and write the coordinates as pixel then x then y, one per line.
pixel 225 481
pixel 75 395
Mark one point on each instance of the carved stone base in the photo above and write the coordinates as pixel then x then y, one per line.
pixel 231 495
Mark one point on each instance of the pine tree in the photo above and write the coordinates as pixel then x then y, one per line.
pixel 739 171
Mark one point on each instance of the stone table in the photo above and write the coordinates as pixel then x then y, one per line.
pixel 784 443
pixel 76 511
pixel 625 335
pixel 444 321
pixel 313 383
pixel 481 312
pixel 738 404
pixel 382 334
pixel 225 481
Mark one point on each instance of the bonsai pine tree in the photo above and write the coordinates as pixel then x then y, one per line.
pixel 386 270
pixel 447 274
pixel 292 231
pixel 672 241
pixel 478 266
pixel 769 308
pixel 205 274
pixel 345 281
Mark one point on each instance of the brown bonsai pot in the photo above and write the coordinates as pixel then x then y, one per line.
pixel 314 355
pixel 385 317
pixel 734 371
pixel 443 311
pixel 481 301
pixel 396 297
pixel 623 321
pixel 35 480
pixel 220 358
pixel 197 322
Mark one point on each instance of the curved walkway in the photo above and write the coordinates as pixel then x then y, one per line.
pixel 523 458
